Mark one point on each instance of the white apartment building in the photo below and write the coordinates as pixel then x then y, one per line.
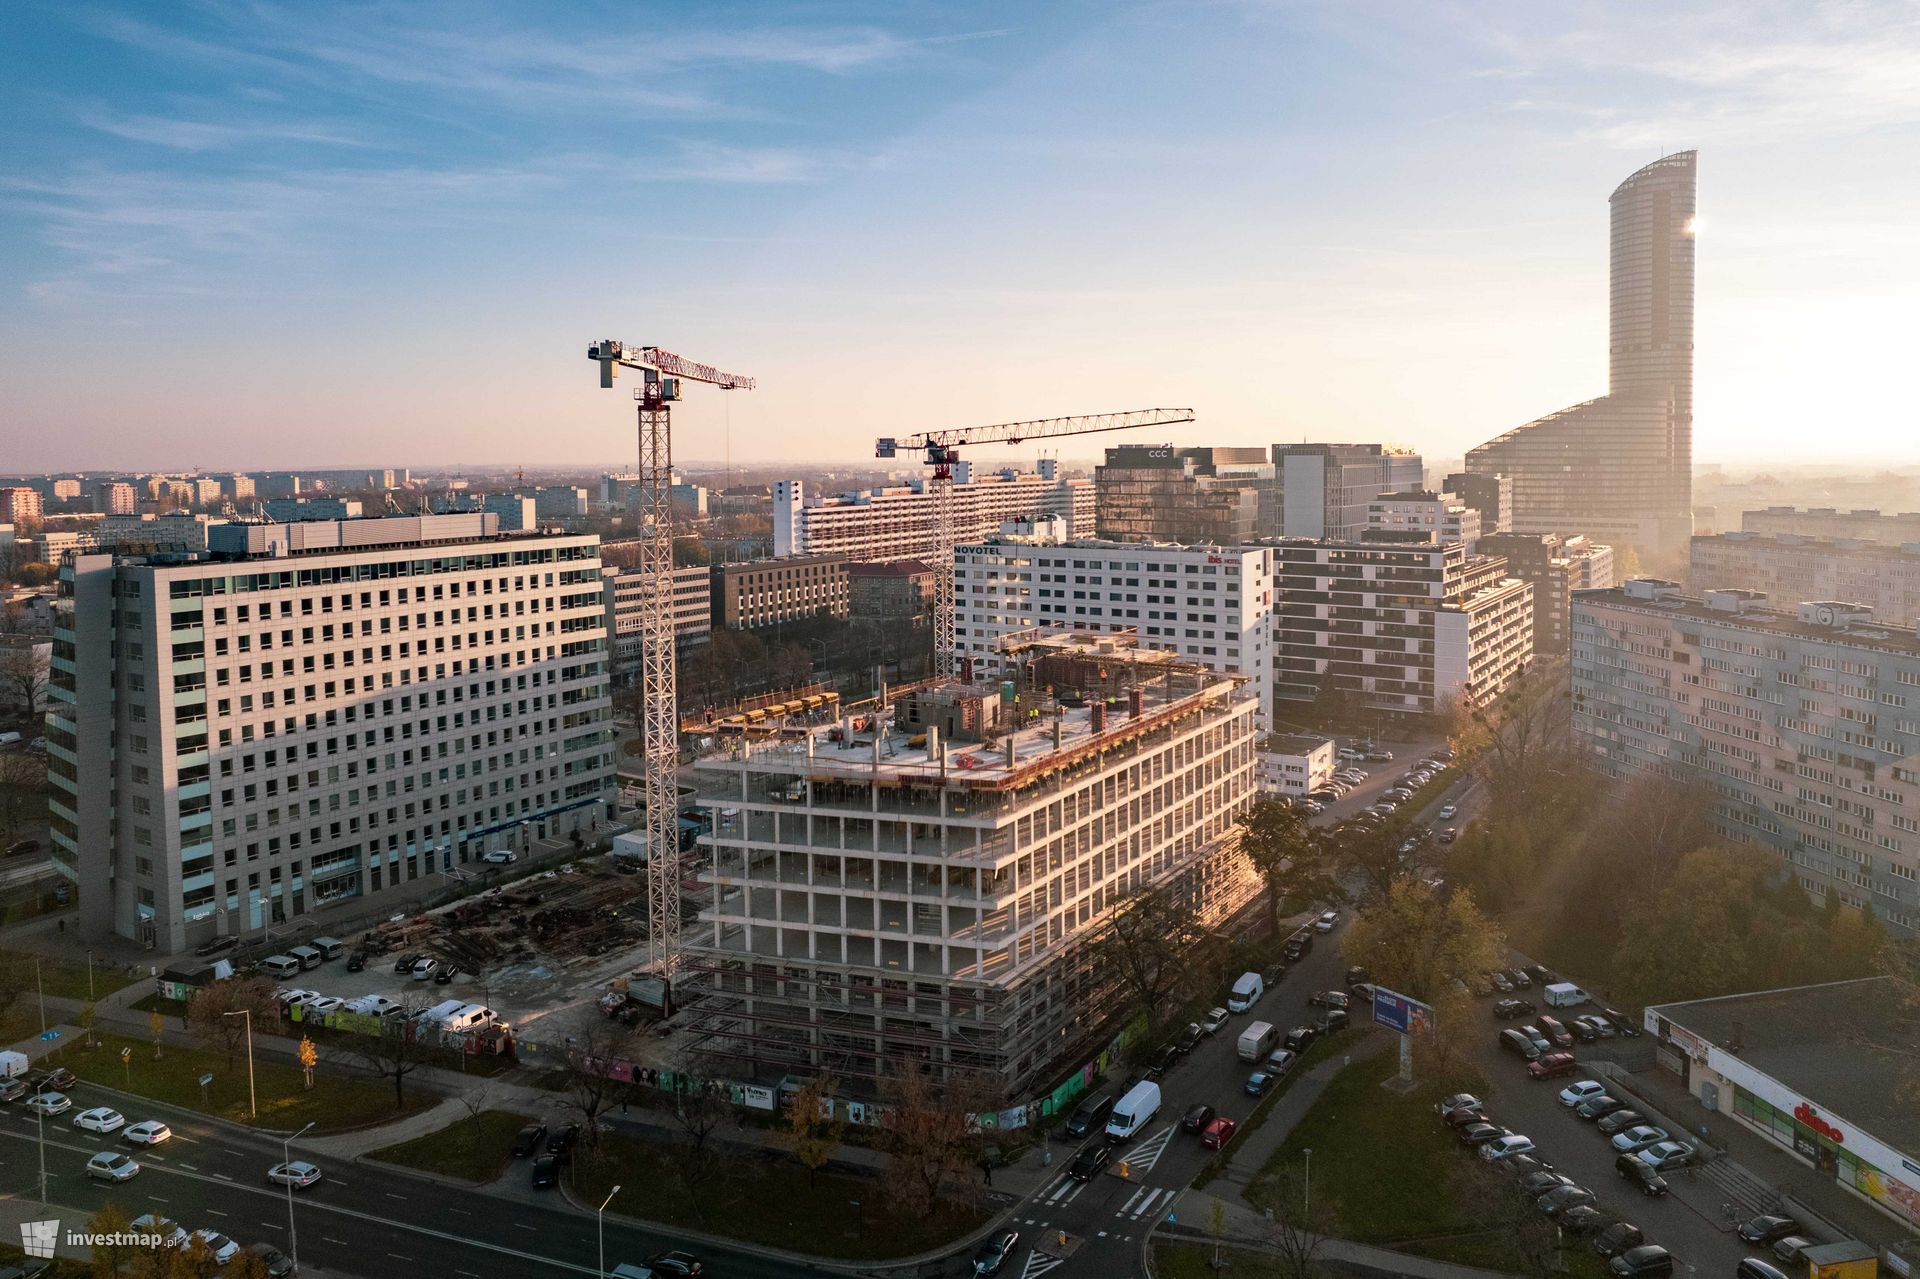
pixel 312 712
pixel 1209 604
pixel 1442 516
pixel 873 901
pixel 1805 720
pixel 627 594
pixel 1402 625
pixel 1293 764
pixel 896 522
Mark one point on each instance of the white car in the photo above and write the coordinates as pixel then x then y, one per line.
pixel 324 1003
pixel 426 968
pixel 1638 1138
pixel 292 995
pixel 148 1132
pixel 1447 811
pixel 298 1174
pixel 499 857
pixel 1511 1144
pixel 1574 1094
pixel 1214 1020
pixel 371 1005
pixel 149 1223
pixel 100 1119
pixel 1327 920
pixel 112 1165
pixel 219 1247
pixel 49 1103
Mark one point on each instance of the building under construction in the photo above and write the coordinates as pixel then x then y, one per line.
pixel 920 883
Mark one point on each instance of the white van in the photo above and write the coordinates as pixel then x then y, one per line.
pixel 1134 1111
pixel 1246 993
pixel 468 1017
pixel 1257 1040
pixel 14 1065
pixel 279 967
pixel 307 956
pixel 443 1010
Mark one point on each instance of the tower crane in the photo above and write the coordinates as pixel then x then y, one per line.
pixel 661 375
pixel 941 451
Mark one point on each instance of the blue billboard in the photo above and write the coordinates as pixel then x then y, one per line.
pixel 1401 1013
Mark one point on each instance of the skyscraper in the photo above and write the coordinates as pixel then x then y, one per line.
pixel 1620 467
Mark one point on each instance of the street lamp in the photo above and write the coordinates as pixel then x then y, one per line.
pixel 41 1115
pixel 599 1223
pixel 41 990
pixel 1306 1185
pixel 293 1236
pixel 253 1106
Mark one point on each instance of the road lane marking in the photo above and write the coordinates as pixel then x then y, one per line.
pixel 1038 1263
pixel 190 1167
pixel 215 1212
pixel 1128 1206
pixel 401 1198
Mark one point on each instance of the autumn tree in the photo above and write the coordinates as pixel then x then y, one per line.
pixel 157 1027
pixel 245 1265
pixel 929 1133
pixel 1289 853
pixel 1376 858
pixel 209 1006
pixel 110 1259
pixel 812 1129
pixel 1147 945
pixel 1418 941
pixel 309 1058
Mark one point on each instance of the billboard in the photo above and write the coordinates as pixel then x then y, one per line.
pixel 1401 1012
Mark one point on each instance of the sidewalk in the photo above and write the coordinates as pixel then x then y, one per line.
pixel 1250 1154
pixel 1191 1221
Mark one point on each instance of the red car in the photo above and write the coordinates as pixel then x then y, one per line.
pixel 1218 1133
pixel 1553 1065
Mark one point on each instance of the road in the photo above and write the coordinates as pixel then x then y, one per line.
pixel 363 1219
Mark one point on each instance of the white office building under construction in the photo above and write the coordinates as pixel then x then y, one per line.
pixel 921 884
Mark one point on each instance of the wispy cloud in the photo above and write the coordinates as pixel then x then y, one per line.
pixel 207 135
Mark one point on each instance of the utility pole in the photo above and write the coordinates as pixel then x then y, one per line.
pixel 253 1107
pixel 41 1115
pixel 40 989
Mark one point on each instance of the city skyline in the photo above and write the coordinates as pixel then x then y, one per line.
pixel 288 237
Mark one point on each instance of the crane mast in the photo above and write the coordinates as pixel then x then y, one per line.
pixel 661 374
pixel 941 451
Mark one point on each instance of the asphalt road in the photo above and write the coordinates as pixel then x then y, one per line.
pixel 362 1219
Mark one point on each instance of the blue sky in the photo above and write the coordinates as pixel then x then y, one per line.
pixel 255 234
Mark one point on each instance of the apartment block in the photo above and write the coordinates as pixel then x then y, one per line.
pixel 628 594
pixel 1294 764
pixel 896 522
pixel 309 713
pixel 289 510
pixel 905 890
pixel 1398 622
pixel 1827 523
pixel 1491 495
pixel 758 593
pixel 1555 567
pixel 238 487
pixel 1210 605
pixel 1886 578
pixel 1189 497
pixel 1804 719
pixel 115 497
pixel 1327 490
pixel 1441 516
pixel 897 591
pixel 21 505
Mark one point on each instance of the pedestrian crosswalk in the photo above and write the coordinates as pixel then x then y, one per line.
pixel 1063 1191
pixel 1143 1157
pixel 1147 1202
pixel 1038 1263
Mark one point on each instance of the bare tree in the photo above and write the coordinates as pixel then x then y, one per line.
pixel 1289 853
pixel 596 1043
pixel 1146 945
pixel 208 1009
pixel 699 1111
pixel 1523 743
pixel 1528 1243
pixel 1300 1226
pixel 400 1047
pixel 929 1133
pixel 23 677
pixel 23 785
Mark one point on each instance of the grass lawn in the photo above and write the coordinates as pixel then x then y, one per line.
pixel 769 1203
pixel 68 980
pixel 62 1268
pixel 1195 1261
pixel 1324 1047
pixel 333 1104
pixel 472 1149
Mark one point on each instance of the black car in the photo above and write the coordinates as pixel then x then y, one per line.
pixel 405 963
pixel 1621 1022
pixel 1481 1134
pixel 1519 978
pixel 1561 1198
pixel 1089 1116
pixel 528 1140
pixel 1581 1220
pixel 1190 1037
pixel 1197 1117
pixel 1598 1107
pixel 1767 1230
pixel 1519 1045
pixel 59 1079
pixel 207 949
pixel 1619 1121
pixel 560 1145
pixel 1162 1061
pixel 1500 981
pixel 1582 1032
pixel 277 1264
pixel 1090 1161
pixel 1647 1261
pixel 1754 1268
pixel 1535 1184
pixel 1328 999
pixel 1518 1166
pixel 1617 1238
pixel 993 1253
pixel 1636 1170
pixel 1358 974
pixel 546 1170
pixel 1792 1250
pixel 1512 1009
pixel 1300 1038
pixel 446 975
pixel 356 962
pixel 674 1263
pixel 1545 976
pixel 1466 1115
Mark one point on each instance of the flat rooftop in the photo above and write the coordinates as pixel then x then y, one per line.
pixel 1293 743
pixel 1825 1043
pixel 1887 636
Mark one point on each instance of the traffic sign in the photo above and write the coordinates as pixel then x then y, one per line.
pixel 205 1080
pixel 126 1054
pixel 49 1036
pixel 1401 1013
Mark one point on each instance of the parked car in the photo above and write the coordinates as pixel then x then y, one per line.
pixel 1617 1238
pixel 562 1142
pixel 1519 978
pixel 1638 1138
pixel 527 1140
pixel 12 1089
pixel 1594 1109
pixel 152 1223
pixel 356 962
pixel 405 963
pixel 100 1119
pixel 1619 1121
pixel 1328 999
pixel 1557 1201
pixel 1581 1220
pixel 59 1079
pixel 993 1253
pixel 1328 919
pixel 1792 1250
pixel 278 1264
pixel 1573 1094
pixel 1357 974
pixel 1259 1082
pixel 546 1170
pixel 1621 1022
pixel 1539 1040
pixel 1583 1033
pixel 1090 1161
pixel 1518 1166
pixel 1647 1261
pixel 112 1165
pixel 1481 1134
pixel 1767 1229
pixel 1500 981
pixel 299 1174
pixel 1214 1020
pixel 49 1104
pixel 425 968
pixel 1457 1102
pixel 1300 1038
pixel 1754 1268
pixel 1279 1062
pixel 1553 1066
pixel 1556 1033
pixel 446 975
pixel 1162 1060
pixel 1630 1168
pixel 1502 1147
pixel 1198 1116
pixel 1663 1156
pixel 1189 1039
pixel 220 1247
pixel 1218 1133
pixel 1513 1009
pixel 1519 1045
pixel 1461 1118
pixel 679 1264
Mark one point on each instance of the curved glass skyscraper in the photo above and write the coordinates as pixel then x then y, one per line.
pixel 1620 468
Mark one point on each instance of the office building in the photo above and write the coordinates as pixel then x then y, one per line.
pixel 1293 764
pixel 518 512
pixel 894 592
pixel 908 891
pixel 312 712
pixel 115 497
pixel 1325 490
pixel 1829 524
pixel 1620 468
pixel 627 595
pixel 290 510
pixel 1555 567
pixel 21 505
pixel 1189 497
pixel 1209 605
pixel 1396 623
pixel 51 544
pixel 1441 516
pixel 1804 719
pixel 558 503
pixel 896 522
pixel 757 593
pixel 1886 578
pixel 1491 495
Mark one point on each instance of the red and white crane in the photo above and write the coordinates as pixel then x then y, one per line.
pixel 661 374
pixel 941 450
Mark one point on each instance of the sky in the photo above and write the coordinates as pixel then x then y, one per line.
pixel 252 235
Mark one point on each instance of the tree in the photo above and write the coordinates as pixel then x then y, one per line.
pixel 245 1265
pixel 207 1010
pixel 595 1044
pixel 1418 941
pixel 23 785
pixel 309 1058
pixel 1527 1242
pixel 1146 945
pixel 812 1129
pixel 1299 1227
pixel 1373 856
pixel 1522 745
pixel 33 574
pixel 112 1258
pixel 23 678
pixel 1289 853
pixel 16 979
pixel 157 1026
pixel 929 1133
pixel 87 1015
pixel 699 1110
pixel 399 1048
